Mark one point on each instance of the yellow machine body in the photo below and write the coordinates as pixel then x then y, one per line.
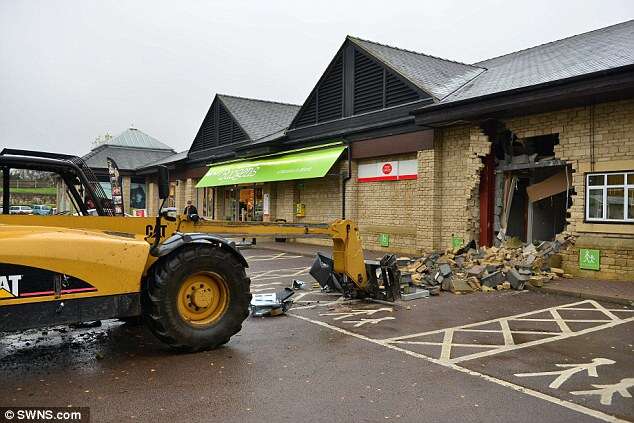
pixel 112 254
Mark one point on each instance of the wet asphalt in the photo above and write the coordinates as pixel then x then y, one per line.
pixel 360 362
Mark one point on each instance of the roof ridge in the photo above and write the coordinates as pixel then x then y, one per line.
pixel 553 41
pixel 257 99
pixel 352 37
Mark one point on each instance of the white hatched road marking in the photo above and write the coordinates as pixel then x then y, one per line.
pixel 554 400
pixel 507 333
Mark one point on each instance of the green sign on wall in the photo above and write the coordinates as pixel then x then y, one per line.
pixel 589 259
pixel 384 240
pixel 456 242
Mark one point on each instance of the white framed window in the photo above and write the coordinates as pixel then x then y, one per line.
pixel 610 197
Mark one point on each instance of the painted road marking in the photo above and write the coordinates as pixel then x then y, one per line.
pixel 279 273
pixel 570 371
pixel 509 343
pixel 359 323
pixel 268 257
pixel 352 313
pixel 554 400
pixel 606 392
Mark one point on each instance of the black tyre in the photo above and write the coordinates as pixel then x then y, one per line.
pixel 197 297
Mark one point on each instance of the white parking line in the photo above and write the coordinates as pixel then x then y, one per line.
pixel 509 344
pixel 554 400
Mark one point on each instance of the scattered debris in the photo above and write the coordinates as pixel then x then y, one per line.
pixel 510 265
pixel 415 294
pixel 271 304
pixel 297 284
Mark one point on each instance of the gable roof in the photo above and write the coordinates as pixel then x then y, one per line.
pixel 436 76
pixel 259 118
pixel 593 51
pixel 136 138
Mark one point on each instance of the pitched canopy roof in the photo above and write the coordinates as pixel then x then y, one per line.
pixel 130 150
pixel 136 138
pixel 593 51
pixel 259 118
pixel 436 76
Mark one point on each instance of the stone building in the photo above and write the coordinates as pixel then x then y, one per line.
pixel 434 153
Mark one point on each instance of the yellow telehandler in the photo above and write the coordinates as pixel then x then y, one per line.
pixel 187 281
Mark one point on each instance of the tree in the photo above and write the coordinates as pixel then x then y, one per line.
pixel 101 139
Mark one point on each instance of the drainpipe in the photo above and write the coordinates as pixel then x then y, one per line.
pixel 345 178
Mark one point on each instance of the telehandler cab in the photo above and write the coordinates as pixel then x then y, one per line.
pixel 188 282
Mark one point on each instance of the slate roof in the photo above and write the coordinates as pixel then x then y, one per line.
pixel 125 157
pixel 259 118
pixel 593 51
pixel 436 76
pixel 136 138
pixel 167 160
pixel 130 150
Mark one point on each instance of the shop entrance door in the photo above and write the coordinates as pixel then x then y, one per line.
pixel 251 204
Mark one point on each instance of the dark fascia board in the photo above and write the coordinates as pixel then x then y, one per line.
pixel 375 119
pixel 605 85
pixel 219 151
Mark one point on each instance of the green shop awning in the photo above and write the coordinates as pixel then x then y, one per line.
pixel 300 165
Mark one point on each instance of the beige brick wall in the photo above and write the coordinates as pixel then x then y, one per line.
pixel 448 185
pixel 611 125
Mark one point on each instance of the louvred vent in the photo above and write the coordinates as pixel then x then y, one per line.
pixel 206 137
pixel 308 114
pixel 368 84
pixel 397 92
pixel 228 130
pixel 330 93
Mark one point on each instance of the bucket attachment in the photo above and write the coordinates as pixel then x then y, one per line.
pixel 383 278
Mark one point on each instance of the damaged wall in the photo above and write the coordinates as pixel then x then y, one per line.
pixel 610 127
pixel 449 186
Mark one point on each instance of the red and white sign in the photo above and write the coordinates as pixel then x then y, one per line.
pixel 396 170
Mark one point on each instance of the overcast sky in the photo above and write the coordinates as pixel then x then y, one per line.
pixel 72 70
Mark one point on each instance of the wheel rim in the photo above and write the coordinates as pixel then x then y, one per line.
pixel 203 298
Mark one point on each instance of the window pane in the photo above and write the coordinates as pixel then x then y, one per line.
pixel 630 178
pixel 616 179
pixel 615 203
pixel 630 204
pixel 595 204
pixel 137 195
pixel 596 180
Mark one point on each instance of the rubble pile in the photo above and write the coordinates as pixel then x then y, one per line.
pixel 467 269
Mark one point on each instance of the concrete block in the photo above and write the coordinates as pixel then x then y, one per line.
pixel 516 279
pixel 445 269
pixel 416 294
pixel 493 279
pixel 476 270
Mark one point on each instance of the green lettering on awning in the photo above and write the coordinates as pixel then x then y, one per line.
pixel 301 165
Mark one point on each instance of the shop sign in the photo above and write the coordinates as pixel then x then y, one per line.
pixel 384 240
pixel 395 170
